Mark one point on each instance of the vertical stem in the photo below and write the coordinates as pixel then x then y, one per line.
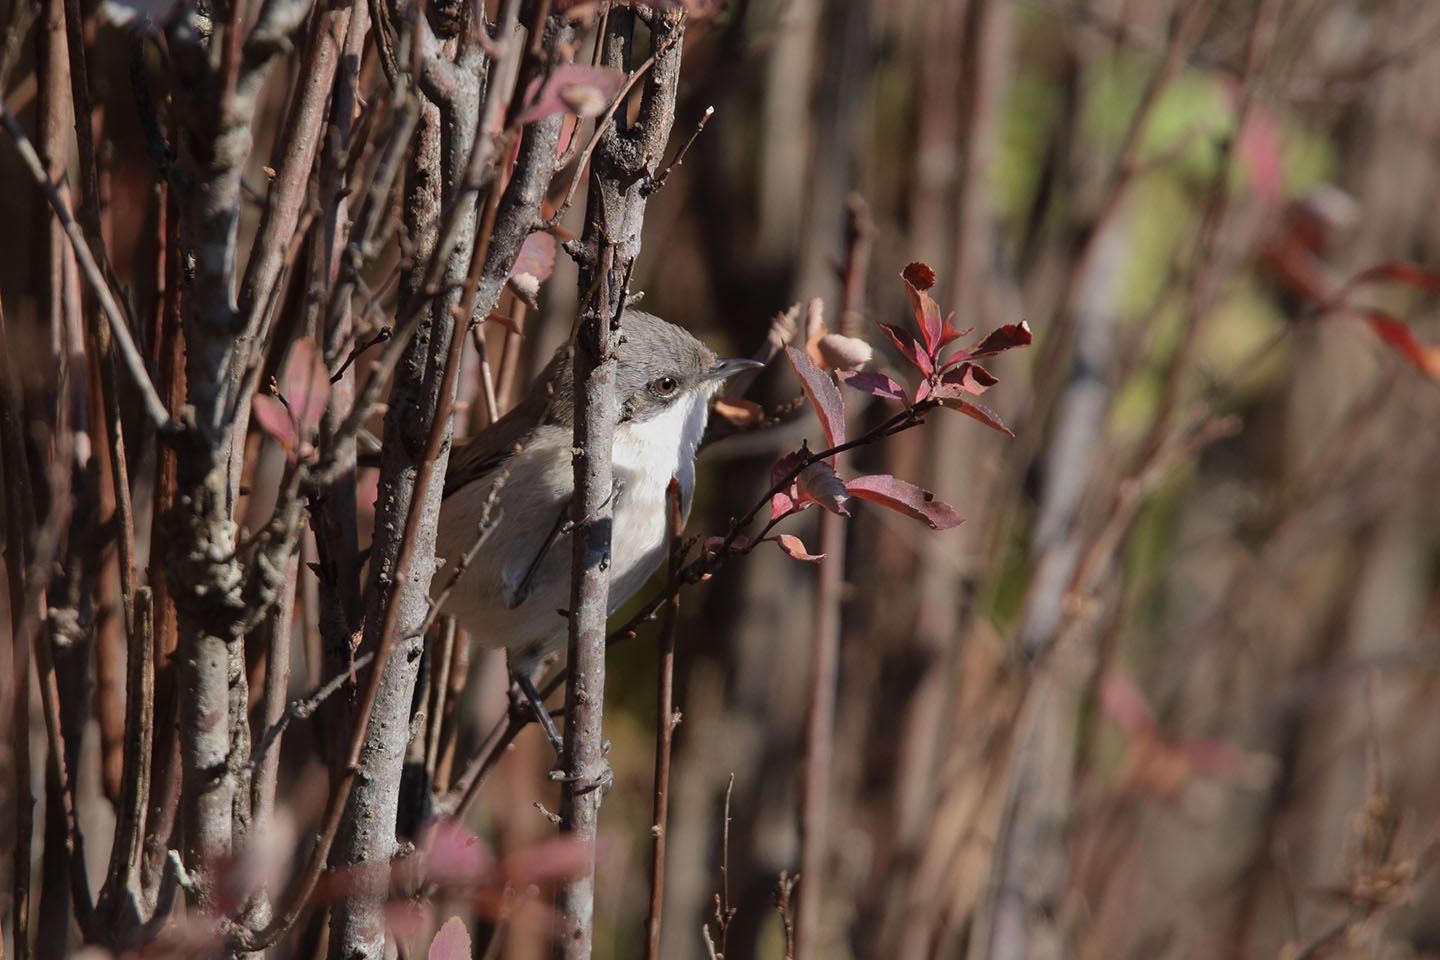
pixel 19 504
pixel 666 720
pixel 624 162
pixel 582 756
pixel 820 735
pixel 825 662
pixel 165 770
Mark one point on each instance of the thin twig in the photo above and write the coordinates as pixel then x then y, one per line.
pixel 305 706
pixel 380 336
pixel 134 364
pixel 599 134
pixel 666 719
pixel 659 180
pixel 784 895
pixel 487 378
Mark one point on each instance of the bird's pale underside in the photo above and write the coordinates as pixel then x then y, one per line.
pixel 514 593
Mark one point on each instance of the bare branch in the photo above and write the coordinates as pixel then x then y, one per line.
pixel 129 355
pixel 666 719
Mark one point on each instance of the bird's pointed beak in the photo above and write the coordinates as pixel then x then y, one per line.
pixel 725 369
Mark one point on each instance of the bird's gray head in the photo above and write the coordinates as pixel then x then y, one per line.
pixel 658 365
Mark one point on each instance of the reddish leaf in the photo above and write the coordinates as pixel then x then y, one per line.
pixel 950 334
pixel 982 413
pixel 784 465
pixel 918 275
pixel 909 348
pixel 452 941
pixel 1398 271
pixel 1122 701
pixel 713 544
pixel 533 265
pixel 927 311
pixel 871 382
pixel 905 498
pixel 782 504
pixel 795 547
pixel 274 419
pixel 457 856
pixel 1009 336
pixel 1398 337
pixel 818 483
pixel 823 395
pixel 581 89
pixel 1225 761
pixel 923 391
pixel 785 502
pixel 305 385
pixel 968 377
pixel 555 859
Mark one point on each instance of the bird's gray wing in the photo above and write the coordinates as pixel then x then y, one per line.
pixel 549 399
pixel 521 593
pixel 485 452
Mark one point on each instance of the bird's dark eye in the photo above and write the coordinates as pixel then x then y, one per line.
pixel 664 386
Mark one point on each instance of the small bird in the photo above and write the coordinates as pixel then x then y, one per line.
pixel 514 592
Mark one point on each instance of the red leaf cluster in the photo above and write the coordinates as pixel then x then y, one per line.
pixel 949 380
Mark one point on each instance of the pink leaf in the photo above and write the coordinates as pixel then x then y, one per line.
pixel 823 395
pixel 1122 701
pixel 909 348
pixel 582 90
pixel 555 859
pixel 452 941
pixel 905 498
pixel 782 505
pixel 458 856
pixel 872 382
pixel 795 547
pixel 536 257
pixel 818 483
pixel 274 418
pixel 785 502
pixel 305 385
pixel 1007 337
pixel 979 412
pixel 918 278
pixel 1225 761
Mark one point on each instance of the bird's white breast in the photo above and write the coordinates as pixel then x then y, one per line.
pixel 645 455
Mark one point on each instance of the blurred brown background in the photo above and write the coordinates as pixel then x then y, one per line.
pixel 1170 691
